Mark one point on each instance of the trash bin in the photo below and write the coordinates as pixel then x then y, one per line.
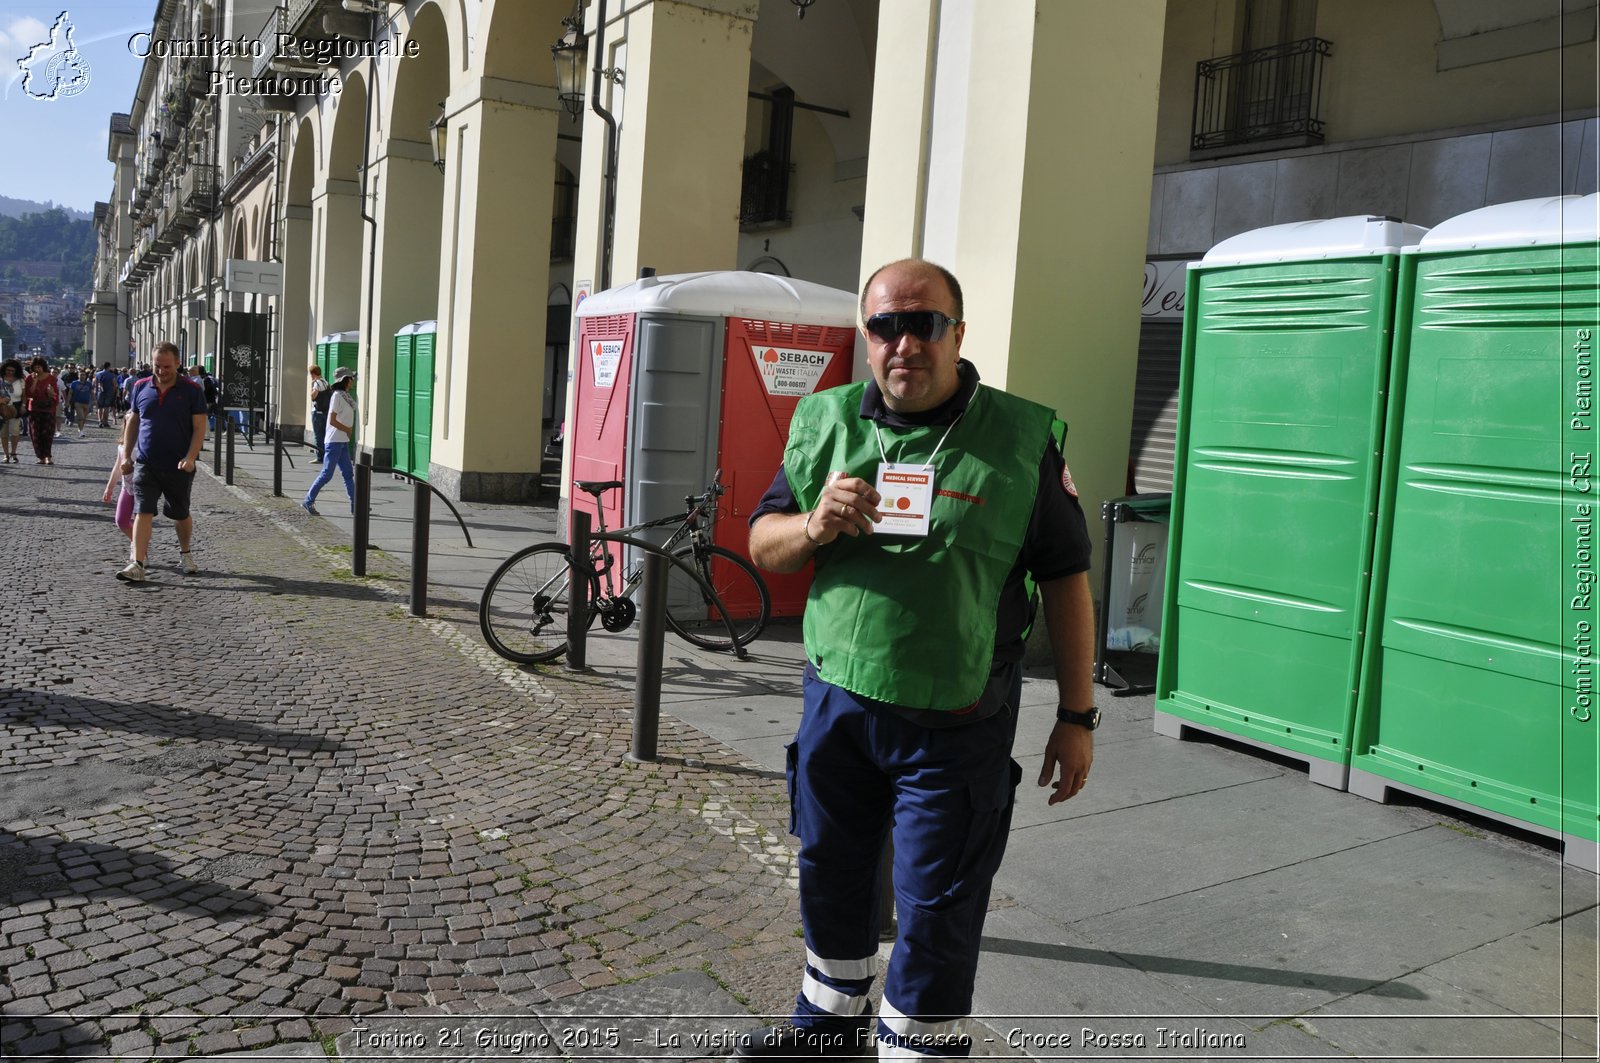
pixel 413 397
pixel 1135 567
pixel 1287 338
pixel 1478 681
pixel 680 376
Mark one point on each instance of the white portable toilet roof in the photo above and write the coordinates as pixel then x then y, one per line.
pixel 728 293
pixel 341 337
pixel 1525 223
pixel 417 326
pixel 1359 234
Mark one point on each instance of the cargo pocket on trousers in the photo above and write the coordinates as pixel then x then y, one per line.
pixel 991 801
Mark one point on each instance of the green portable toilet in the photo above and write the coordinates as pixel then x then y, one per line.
pixel 1478 682
pixel 1286 351
pixel 413 397
pixel 344 351
pixel 422 380
pixel 401 440
pixel 322 356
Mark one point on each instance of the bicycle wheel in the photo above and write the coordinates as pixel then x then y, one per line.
pixel 523 611
pixel 695 615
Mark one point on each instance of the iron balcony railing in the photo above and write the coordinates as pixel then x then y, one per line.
pixel 1267 96
pixel 267 42
pixel 764 196
pixel 299 13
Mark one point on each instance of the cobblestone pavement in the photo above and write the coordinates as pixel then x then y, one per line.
pixel 249 806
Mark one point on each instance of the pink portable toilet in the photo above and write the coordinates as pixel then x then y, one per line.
pixel 677 377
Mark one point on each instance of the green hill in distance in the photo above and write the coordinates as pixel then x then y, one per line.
pixel 46 251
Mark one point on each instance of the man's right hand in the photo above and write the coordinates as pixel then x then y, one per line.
pixel 848 506
pixel 127 466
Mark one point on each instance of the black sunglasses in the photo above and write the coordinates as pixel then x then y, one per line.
pixel 929 326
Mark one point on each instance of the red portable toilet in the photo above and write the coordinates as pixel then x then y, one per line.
pixel 679 376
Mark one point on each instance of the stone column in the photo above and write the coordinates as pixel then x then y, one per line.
pixel 494 270
pixel 1012 142
pixel 297 339
pixel 406 282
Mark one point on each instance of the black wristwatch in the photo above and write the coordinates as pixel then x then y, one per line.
pixel 1087 720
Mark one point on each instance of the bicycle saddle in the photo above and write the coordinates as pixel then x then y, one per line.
pixel 596 487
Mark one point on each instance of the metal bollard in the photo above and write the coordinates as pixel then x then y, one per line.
pixel 277 465
pixel 652 636
pixel 358 547
pixel 578 594
pixel 228 467
pixel 216 443
pixel 421 508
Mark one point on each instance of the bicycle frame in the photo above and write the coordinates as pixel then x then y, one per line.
pixel 690 526
pixel 591 577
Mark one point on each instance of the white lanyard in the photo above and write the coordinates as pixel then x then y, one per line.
pixel 929 463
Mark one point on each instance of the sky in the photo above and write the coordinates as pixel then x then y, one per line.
pixel 55 149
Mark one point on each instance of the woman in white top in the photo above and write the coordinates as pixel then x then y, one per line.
pixel 10 400
pixel 336 444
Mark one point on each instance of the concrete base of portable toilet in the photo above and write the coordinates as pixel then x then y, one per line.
pixel 678 377
pixel 1287 336
pixel 1478 684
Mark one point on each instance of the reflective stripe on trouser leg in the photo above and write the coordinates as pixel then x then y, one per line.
pixel 902 1037
pixel 951 822
pixel 840 805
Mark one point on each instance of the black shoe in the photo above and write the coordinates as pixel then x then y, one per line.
pixel 788 1041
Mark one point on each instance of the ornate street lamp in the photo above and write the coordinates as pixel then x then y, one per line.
pixel 439 136
pixel 800 7
pixel 571 56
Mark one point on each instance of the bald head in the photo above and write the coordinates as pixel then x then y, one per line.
pixel 919 266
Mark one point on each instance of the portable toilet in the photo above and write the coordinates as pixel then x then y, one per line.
pixel 413 397
pixel 1478 687
pixel 338 349
pixel 680 376
pixel 1287 339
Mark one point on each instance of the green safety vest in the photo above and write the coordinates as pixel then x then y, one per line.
pixel 905 619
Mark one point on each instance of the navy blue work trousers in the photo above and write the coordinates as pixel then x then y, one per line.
pixel 857 771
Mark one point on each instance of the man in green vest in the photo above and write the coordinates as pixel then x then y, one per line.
pixel 926 501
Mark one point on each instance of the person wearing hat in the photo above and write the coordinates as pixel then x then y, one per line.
pixel 336 441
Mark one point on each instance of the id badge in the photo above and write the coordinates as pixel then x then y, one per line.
pixel 907 499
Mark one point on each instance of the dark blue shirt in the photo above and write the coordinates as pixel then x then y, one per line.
pixel 166 422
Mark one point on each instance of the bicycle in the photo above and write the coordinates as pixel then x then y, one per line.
pixel 523 611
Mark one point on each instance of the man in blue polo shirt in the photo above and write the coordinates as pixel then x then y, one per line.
pixel 161 442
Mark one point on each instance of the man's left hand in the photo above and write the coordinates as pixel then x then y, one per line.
pixel 186 465
pixel 1070 747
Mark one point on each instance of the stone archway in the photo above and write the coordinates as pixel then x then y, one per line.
pixel 337 214
pixel 500 173
pixel 297 335
pixel 408 202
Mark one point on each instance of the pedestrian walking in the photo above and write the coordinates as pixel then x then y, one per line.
pixel 318 404
pixel 161 439
pixel 341 429
pixel 923 497
pixel 41 397
pixel 82 391
pixel 11 407
pixel 105 394
pixel 64 379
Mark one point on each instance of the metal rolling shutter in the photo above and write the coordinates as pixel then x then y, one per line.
pixel 1155 405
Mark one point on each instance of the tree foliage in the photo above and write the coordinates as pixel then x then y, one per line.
pixel 49 236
